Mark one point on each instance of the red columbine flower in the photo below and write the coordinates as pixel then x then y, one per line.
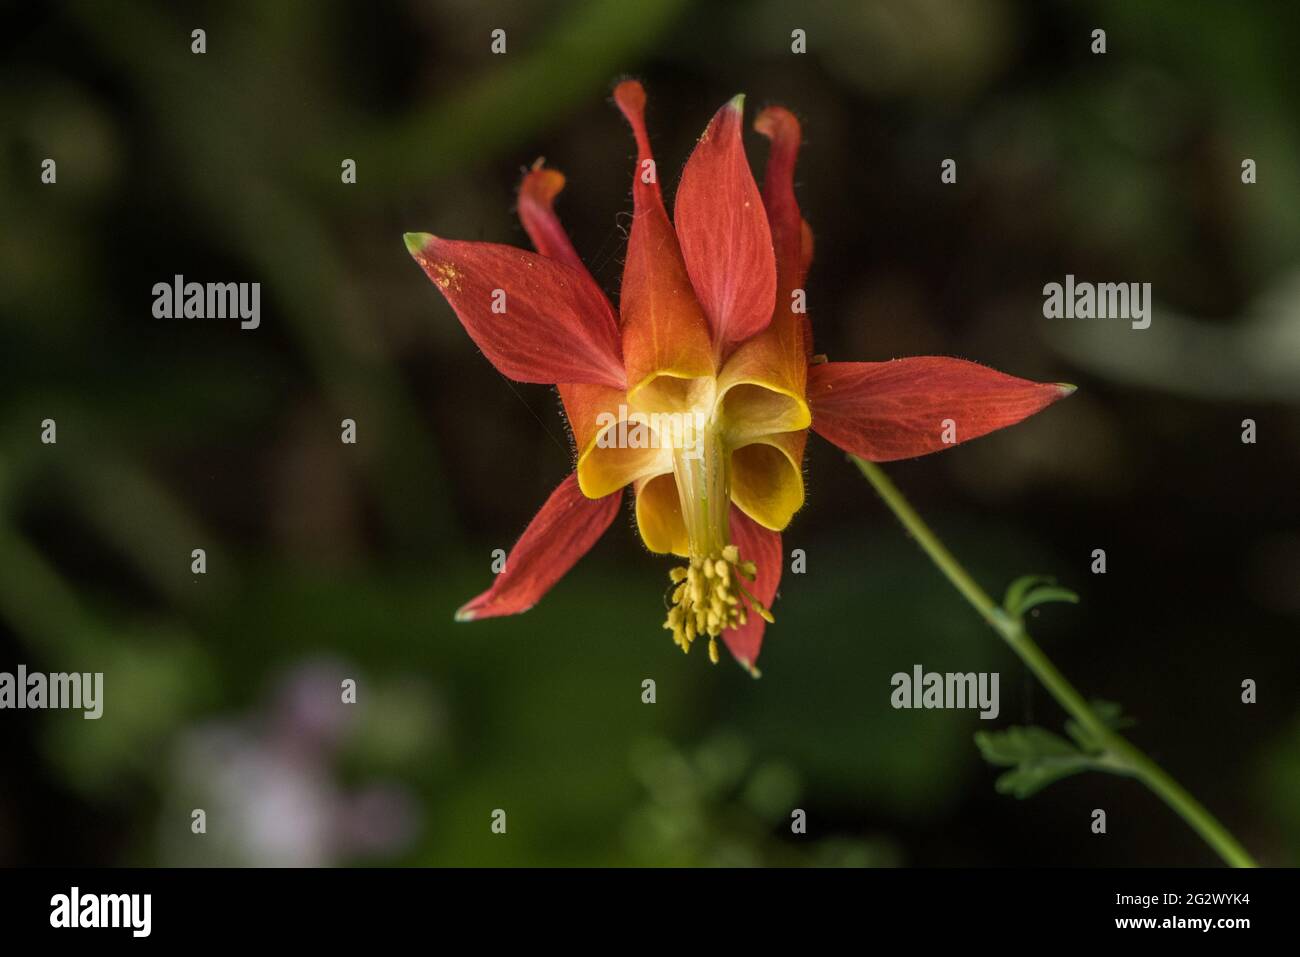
pixel 699 392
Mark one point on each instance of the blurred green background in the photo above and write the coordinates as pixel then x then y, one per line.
pixel 329 561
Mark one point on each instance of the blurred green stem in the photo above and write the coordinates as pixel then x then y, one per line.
pixel 1120 755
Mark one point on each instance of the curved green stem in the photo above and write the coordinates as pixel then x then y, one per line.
pixel 1122 755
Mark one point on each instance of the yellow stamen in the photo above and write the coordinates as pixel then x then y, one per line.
pixel 708 595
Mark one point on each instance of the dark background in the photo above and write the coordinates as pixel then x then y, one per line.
pixel 328 561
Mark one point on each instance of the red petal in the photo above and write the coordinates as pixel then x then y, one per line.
pixel 557 325
pixel 883 411
pixel 664 329
pixel 763 548
pixel 790 234
pixel 560 533
pixel 537 194
pixel 724 233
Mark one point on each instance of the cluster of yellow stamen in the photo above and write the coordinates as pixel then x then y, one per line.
pixel 709 596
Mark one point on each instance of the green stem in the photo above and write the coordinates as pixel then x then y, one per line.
pixel 1123 756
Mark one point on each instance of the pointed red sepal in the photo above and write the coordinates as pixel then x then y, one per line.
pixel 724 234
pixel 536 209
pixel 762 547
pixel 791 235
pixel 561 532
pixel 536 319
pixel 884 411
pixel 664 329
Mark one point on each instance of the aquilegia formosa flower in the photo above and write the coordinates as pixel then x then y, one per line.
pixel 710 330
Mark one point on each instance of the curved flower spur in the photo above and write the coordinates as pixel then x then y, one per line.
pixel 699 392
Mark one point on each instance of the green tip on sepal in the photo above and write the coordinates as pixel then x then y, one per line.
pixel 464 613
pixel 738 103
pixel 1067 388
pixel 416 242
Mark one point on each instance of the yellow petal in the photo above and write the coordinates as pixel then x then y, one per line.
pixel 767 478
pixel 659 515
pixel 762 385
pixel 676 394
pixel 603 471
pixel 593 412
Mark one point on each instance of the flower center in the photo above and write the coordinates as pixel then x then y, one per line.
pixel 709 593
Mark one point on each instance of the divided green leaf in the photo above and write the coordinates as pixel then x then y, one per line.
pixel 1031 778
pixel 1021 743
pixel 1111 714
pixel 1029 591
pixel 1037 758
